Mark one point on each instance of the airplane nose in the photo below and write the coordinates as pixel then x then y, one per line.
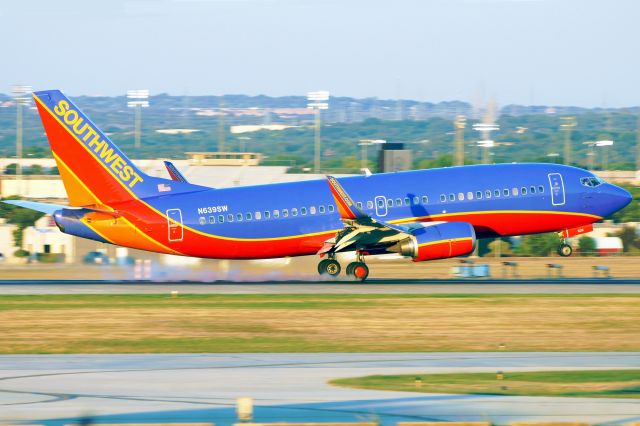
pixel 621 197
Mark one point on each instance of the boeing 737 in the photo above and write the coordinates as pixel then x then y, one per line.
pixel 421 214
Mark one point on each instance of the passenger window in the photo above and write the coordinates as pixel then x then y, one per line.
pixel 460 196
pixel 321 209
pixel 443 198
pixel 398 202
pixel 523 190
pixel 540 189
pixel 416 200
pixel 258 215
pixel 229 217
pixel 425 199
pixel 369 204
pixel 479 195
pixel 239 217
pixel 331 208
pixel 312 209
pixel 452 197
pixel 496 193
pixel 248 216
pixel 380 202
pixel 487 193
pixel 276 214
pixel 532 189
pixel 359 205
pixel 407 201
pixel 294 212
pixel 212 219
pixel 202 220
pixel 469 195
pixel 514 191
pixel 505 192
pixel 303 211
pixel 221 219
pixel 267 214
pixel 285 213
pixel 389 202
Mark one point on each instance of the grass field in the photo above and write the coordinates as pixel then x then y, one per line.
pixel 317 323
pixel 589 383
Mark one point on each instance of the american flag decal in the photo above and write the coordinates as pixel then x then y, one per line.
pixel 163 187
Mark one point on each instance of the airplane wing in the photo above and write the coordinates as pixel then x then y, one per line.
pixel 361 230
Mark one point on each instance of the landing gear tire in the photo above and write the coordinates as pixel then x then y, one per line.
pixel 329 267
pixel 358 270
pixel 565 250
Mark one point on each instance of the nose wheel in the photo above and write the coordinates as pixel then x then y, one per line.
pixel 565 250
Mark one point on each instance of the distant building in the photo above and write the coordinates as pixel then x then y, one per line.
pixel 608 245
pixel 257 127
pixel 7 245
pixel 46 239
pixel 620 176
pixel 224 158
pixel 393 157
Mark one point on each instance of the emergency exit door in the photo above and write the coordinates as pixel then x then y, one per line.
pixel 174 224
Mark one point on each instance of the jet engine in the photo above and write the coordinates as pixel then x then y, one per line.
pixel 438 241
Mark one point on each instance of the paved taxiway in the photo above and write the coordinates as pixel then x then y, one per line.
pixel 55 390
pixel 375 286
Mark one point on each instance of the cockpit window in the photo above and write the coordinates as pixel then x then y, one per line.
pixel 591 181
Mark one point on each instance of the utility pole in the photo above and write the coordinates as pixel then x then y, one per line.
pixel 221 124
pixel 459 125
pixel 568 124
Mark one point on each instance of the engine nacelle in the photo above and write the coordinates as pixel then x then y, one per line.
pixel 439 241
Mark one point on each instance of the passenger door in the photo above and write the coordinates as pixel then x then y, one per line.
pixel 557 189
pixel 174 225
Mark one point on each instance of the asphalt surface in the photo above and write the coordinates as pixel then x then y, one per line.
pixel 374 286
pixel 63 389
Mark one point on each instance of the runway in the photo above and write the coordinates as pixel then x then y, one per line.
pixel 374 286
pixel 57 390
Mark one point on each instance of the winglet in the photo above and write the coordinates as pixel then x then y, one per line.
pixel 173 172
pixel 346 207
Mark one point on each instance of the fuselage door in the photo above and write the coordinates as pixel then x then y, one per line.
pixel 381 205
pixel 174 224
pixel 557 189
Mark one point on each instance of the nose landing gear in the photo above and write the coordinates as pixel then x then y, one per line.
pixel 565 250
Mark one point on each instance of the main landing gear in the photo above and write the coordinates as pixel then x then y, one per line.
pixel 565 250
pixel 357 270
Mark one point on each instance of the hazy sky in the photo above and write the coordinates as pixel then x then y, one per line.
pixel 564 52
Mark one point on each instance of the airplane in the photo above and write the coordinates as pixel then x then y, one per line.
pixel 422 214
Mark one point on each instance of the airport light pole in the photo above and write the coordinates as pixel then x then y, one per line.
pixel 138 99
pixel 22 97
pixel 459 124
pixel 317 101
pixel 568 124
pixel 605 144
pixel 486 142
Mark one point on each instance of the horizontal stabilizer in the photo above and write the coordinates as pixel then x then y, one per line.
pixel 34 205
